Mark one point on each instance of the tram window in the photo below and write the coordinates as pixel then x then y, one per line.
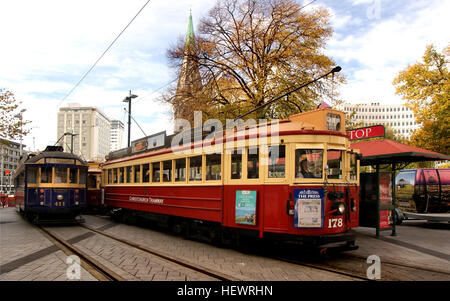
pixel 308 163
pixel 253 163
pixel 334 162
pixel 236 165
pixel 46 174
pixel 82 176
pixel 129 173
pixel 180 170
pixel 121 174
pixel 32 175
pixel 110 177
pixel 167 171
pixel 213 166
pixel 277 161
pixel 137 174
pixel 115 177
pixel 60 175
pixel 146 173
pixel 195 168
pixel 353 167
pixel 92 181
pixel 73 173
pixel 156 172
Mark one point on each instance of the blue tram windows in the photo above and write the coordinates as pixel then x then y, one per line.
pixel 46 174
pixel 73 175
pixel 60 175
pixel 83 177
pixel 32 175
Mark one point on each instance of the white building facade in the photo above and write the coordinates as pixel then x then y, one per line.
pixel 9 160
pixel 117 129
pixel 91 129
pixel 398 117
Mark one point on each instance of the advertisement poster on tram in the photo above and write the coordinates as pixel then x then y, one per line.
pixel 308 208
pixel 245 207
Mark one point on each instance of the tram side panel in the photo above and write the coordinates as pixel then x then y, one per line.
pixel 195 202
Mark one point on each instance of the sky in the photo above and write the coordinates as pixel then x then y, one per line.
pixel 48 45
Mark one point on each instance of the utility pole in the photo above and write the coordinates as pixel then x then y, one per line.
pixel 128 99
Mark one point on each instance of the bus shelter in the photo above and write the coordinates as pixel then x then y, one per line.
pixel 377 199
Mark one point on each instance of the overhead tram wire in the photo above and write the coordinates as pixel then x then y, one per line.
pixel 334 70
pixel 103 54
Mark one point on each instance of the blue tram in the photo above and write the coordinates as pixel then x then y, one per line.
pixel 51 186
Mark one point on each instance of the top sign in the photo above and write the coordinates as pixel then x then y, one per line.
pixel 366 132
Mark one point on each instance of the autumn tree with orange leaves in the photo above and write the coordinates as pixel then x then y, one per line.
pixel 251 51
pixel 426 88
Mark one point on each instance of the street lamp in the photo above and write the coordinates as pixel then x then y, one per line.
pixel 128 99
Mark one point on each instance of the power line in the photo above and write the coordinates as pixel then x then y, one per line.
pixel 101 56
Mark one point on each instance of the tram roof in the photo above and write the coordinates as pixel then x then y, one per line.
pixel 58 155
pixel 306 123
pixel 387 151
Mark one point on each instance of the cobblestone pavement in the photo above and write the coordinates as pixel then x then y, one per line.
pixel 126 261
pixel 26 254
pixel 230 262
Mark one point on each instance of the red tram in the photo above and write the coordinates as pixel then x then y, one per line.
pixel 294 179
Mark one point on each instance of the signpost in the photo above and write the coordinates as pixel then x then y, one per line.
pixel 366 132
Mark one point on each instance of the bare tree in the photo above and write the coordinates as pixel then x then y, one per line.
pixel 251 51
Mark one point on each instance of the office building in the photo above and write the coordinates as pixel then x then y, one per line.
pixel 398 117
pixel 9 160
pixel 88 127
pixel 116 137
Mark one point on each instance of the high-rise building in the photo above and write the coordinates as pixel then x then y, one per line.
pixel 90 128
pixel 398 117
pixel 116 135
pixel 9 160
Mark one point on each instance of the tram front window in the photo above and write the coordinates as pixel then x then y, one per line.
pixel 32 175
pixel 334 162
pixel 46 174
pixel 60 175
pixel 82 176
pixel 73 172
pixel 308 163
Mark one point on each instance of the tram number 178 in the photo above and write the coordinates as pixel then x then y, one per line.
pixel 335 223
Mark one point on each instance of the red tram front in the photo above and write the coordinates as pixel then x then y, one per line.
pixel 294 179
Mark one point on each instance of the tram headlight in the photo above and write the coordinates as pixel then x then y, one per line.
pixel 339 208
pixel 60 197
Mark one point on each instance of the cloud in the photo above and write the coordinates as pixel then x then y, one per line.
pixel 373 58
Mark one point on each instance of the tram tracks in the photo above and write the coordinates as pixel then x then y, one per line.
pixel 103 273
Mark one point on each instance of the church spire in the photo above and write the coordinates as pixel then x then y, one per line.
pixel 189 80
